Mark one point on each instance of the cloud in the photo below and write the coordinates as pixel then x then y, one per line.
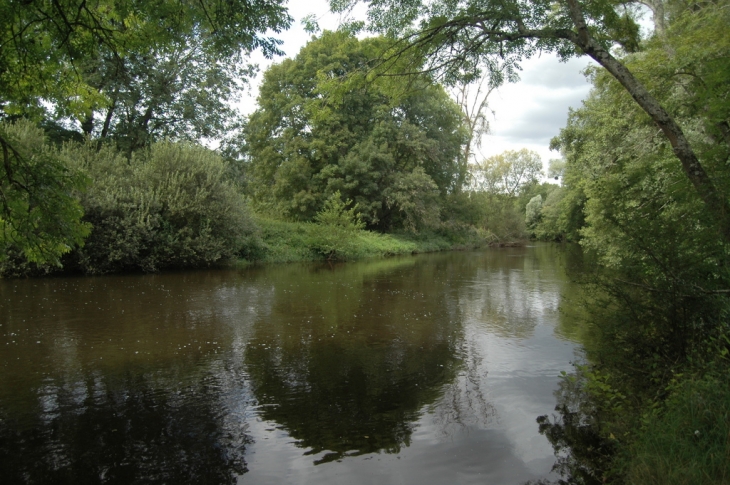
pixel 548 71
pixel 542 119
pixel 532 111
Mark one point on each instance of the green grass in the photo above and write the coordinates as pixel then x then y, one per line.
pixel 282 242
pixel 688 441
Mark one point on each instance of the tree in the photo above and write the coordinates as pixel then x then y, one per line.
pixel 532 211
pixel 150 69
pixel 50 49
pixel 663 302
pixel 40 218
pixel 179 90
pixel 459 36
pixel 473 98
pixel 321 128
pixel 508 172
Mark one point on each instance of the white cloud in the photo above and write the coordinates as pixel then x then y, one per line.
pixel 532 111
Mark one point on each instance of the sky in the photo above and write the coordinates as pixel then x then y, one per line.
pixel 527 114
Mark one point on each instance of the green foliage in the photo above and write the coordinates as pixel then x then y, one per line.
pixel 282 241
pixel 416 197
pixel 177 210
pixel 337 227
pixel 335 213
pixel 554 222
pixel 40 218
pixel 508 173
pixel 166 207
pixel 459 39
pixel 641 213
pixel 533 211
pixel 135 71
pixel 556 168
pixel 321 127
pixel 464 39
pixel 687 440
pixel 502 186
pixel 131 69
pixel 659 305
pixel 182 90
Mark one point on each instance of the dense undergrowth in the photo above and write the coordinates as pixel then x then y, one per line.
pixel 651 402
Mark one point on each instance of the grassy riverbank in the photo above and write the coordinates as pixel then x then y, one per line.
pixel 281 242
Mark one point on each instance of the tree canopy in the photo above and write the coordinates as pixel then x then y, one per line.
pixel 390 151
pixel 508 172
pixel 60 53
pixel 459 38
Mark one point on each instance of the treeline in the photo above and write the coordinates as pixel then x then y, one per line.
pixel 393 148
pixel 336 157
pixel 650 404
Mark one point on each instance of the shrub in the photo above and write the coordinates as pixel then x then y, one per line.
pixel 688 442
pixel 40 220
pixel 337 228
pixel 167 207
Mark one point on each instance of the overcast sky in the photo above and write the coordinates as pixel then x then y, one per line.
pixel 527 114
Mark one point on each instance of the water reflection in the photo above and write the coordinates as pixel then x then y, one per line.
pixel 122 429
pixel 120 380
pixel 345 365
pixel 420 370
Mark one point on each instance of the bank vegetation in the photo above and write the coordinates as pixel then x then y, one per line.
pixel 355 150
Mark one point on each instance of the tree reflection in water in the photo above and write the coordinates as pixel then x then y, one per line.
pixel 346 366
pixel 123 430
pixel 154 379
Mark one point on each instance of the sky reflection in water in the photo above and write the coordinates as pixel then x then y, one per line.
pixel 427 369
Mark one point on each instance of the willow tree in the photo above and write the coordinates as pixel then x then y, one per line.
pixel 461 36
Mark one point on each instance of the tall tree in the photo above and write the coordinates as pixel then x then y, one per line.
pixel 47 46
pixel 320 129
pixel 473 99
pixel 454 34
pixel 508 172
pixel 179 90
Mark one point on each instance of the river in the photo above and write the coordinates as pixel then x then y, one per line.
pixel 428 369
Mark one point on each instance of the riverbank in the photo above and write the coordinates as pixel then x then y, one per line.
pixel 285 242
pixel 648 405
pixel 268 241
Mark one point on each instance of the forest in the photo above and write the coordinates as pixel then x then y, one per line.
pixel 362 146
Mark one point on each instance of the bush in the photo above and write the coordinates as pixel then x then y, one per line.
pixel 40 219
pixel 167 207
pixel 336 230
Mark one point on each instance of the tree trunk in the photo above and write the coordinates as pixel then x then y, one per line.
pixel 87 126
pixel 713 199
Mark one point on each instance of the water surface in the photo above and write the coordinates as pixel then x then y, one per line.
pixel 417 370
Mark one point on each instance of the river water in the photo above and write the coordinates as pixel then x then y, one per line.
pixel 428 369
